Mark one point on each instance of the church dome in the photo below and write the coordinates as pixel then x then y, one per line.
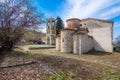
pixel 73 23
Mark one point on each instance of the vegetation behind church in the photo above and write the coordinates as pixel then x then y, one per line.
pixel 59 25
pixel 31 36
pixel 117 44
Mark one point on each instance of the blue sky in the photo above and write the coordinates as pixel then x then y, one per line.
pixel 100 9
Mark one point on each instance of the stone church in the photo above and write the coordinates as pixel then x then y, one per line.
pixel 80 36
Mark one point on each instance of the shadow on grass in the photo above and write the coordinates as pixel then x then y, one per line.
pixel 2 55
pixel 98 53
pixel 20 53
pixel 12 53
pixel 36 48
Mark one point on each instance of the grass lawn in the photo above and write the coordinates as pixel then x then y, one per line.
pixel 49 62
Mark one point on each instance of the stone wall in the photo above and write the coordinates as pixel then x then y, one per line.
pixel 102 33
pixel 89 43
pixel 50 31
pixel 82 43
pixel 102 39
pixel 85 44
pixel 99 36
pixel 58 43
pixel 75 43
pixel 50 40
pixel 67 40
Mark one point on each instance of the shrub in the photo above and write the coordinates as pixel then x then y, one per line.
pixel 116 48
pixel 57 78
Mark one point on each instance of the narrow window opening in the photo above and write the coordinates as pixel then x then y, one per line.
pixel 63 40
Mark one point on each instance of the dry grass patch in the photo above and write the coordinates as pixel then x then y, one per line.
pixel 68 65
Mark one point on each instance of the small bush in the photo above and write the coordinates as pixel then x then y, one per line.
pixel 57 78
pixel 117 48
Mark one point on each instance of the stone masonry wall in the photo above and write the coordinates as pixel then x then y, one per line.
pixel 102 39
pixel 58 43
pixel 101 32
pixel 85 43
pixel 82 43
pixel 75 43
pixel 67 40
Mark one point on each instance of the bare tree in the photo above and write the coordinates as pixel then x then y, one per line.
pixel 15 17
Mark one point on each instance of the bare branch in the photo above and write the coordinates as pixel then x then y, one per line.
pixel 15 17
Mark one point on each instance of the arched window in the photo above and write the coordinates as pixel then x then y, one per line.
pixel 80 24
pixel 52 23
pixel 48 23
pixel 48 32
pixel 53 32
pixel 48 40
pixel 85 24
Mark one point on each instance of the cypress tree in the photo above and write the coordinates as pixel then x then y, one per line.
pixel 59 25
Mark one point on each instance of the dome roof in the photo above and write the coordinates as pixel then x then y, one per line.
pixel 73 23
pixel 73 19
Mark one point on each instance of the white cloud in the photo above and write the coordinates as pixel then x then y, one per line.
pixel 111 13
pixel 102 9
pixel 117 24
pixel 2 0
pixel 90 8
pixel 116 30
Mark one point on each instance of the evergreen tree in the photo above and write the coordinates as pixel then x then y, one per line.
pixel 59 25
